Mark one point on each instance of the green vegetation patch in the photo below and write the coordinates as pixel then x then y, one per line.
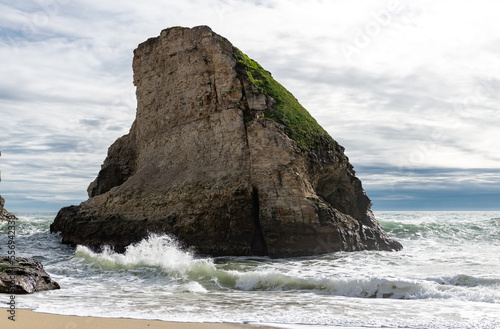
pixel 301 126
pixel 173 28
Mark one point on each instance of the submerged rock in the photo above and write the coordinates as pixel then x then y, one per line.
pixel 224 158
pixel 24 276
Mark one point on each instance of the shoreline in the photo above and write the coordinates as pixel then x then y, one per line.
pixel 25 319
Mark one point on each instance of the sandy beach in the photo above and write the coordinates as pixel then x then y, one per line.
pixel 26 319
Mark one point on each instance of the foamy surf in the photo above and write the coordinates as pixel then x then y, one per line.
pixel 162 252
pixel 164 255
pixel 447 276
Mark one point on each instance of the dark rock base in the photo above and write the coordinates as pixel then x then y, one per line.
pixel 24 276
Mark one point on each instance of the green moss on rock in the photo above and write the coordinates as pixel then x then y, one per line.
pixel 173 28
pixel 287 110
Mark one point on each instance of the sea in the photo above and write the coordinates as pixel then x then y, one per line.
pixel 447 276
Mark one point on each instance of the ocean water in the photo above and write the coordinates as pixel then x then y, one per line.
pixel 447 276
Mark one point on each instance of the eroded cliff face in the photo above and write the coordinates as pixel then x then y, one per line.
pixel 214 159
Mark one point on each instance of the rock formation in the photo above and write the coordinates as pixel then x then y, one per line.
pixel 24 276
pixel 4 214
pixel 224 158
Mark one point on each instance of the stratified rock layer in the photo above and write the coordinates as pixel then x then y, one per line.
pixel 24 276
pixel 224 158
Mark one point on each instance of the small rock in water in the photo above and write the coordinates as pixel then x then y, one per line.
pixel 24 276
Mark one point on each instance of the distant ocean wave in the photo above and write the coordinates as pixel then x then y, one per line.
pixel 486 231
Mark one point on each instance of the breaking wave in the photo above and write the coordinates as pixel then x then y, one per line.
pixel 163 256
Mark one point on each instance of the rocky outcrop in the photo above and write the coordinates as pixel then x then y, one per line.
pixel 4 214
pixel 224 158
pixel 24 276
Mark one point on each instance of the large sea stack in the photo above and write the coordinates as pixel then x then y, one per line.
pixel 224 158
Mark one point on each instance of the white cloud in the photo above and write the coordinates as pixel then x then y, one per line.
pixel 398 83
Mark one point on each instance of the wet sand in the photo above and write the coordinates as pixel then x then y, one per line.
pixel 26 319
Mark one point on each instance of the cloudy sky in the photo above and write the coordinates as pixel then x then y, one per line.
pixel 411 89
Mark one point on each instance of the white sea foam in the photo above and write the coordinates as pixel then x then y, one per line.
pixel 160 251
pixel 164 253
pixel 192 286
pixel 447 276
